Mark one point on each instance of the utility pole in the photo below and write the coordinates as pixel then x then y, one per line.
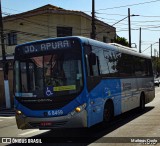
pixel 129 27
pixel 157 63
pixel 151 50
pixel 159 47
pixel 140 40
pixel 5 64
pixel 93 33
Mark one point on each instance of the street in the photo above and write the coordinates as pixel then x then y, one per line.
pixel 125 129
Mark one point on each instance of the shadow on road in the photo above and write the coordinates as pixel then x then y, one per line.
pixel 7 112
pixel 89 135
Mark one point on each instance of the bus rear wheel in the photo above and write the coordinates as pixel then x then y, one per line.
pixel 142 102
pixel 108 112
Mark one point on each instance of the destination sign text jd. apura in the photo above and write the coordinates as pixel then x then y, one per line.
pixel 46 46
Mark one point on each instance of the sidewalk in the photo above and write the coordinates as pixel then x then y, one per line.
pixel 7 112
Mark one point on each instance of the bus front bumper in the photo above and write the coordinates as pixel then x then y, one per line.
pixel 78 120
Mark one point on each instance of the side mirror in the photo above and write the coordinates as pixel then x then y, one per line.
pixel 6 65
pixel 92 58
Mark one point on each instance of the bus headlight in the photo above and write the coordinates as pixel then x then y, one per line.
pixel 78 109
pixel 18 112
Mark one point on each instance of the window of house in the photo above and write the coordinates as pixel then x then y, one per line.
pixel 106 39
pixel 64 31
pixel 12 38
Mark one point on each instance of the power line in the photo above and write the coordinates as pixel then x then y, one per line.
pixel 10 9
pixel 149 16
pixel 149 46
pixel 133 20
pixel 42 25
pixel 111 14
pixel 129 5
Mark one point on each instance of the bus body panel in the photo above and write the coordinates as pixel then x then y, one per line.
pixel 65 117
pixel 146 85
pixel 68 121
pixel 123 92
pixel 130 94
pixel 51 113
pixel 107 89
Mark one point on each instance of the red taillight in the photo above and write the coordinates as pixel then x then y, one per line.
pixel 46 123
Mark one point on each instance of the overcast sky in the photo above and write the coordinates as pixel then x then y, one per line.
pixel 110 12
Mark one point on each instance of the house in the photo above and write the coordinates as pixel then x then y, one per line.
pixel 45 22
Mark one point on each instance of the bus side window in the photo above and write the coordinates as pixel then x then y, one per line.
pixel 93 69
pixel 93 64
pixel 149 69
pixel 140 67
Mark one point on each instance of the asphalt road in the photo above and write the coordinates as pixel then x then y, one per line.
pixel 131 128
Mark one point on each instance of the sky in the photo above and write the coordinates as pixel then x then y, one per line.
pixel 109 11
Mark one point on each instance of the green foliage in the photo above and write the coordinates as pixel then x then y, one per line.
pixel 121 40
pixel 156 64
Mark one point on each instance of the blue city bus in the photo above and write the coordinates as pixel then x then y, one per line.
pixel 74 82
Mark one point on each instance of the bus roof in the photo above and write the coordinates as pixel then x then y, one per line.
pixel 113 47
pixel 84 40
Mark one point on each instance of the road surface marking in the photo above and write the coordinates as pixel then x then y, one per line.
pixel 29 132
pixel 7 117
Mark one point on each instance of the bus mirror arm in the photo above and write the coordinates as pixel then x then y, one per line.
pixel 92 58
pixel 98 66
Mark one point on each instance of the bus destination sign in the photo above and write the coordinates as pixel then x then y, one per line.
pixel 46 46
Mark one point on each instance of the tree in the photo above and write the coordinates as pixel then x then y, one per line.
pixel 121 40
pixel 156 64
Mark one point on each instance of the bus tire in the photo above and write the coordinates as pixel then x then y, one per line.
pixel 108 112
pixel 142 102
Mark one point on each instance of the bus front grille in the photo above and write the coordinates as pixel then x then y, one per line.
pixel 50 103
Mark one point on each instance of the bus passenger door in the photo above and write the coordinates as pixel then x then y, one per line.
pixel 95 108
pixel 94 88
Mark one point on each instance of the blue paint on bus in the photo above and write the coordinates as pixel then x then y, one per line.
pixel 79 98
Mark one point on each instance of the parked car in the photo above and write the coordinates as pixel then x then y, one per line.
pixel 157 81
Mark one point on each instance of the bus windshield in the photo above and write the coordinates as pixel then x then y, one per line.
pixel 49 75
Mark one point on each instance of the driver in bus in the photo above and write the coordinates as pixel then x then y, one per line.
pixel 54 68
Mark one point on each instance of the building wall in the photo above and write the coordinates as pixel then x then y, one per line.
pixel 45 26
pixel 2 93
